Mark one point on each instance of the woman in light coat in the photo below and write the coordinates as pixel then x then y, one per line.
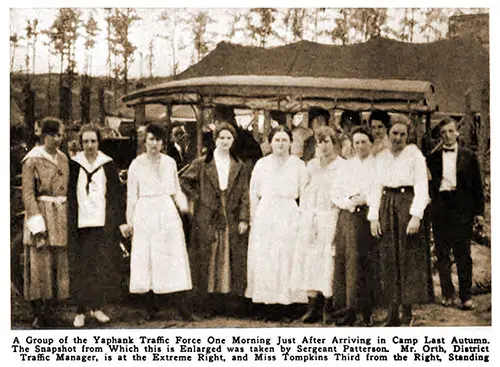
pixel 45 184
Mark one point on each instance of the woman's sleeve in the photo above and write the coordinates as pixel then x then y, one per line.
pixel 374 195
pixel 179 197
pixel 337 194
pixel 132 191
pixel 304 178
pixel 189 180
pixel 245 199
pixel 255 189
pixel 34 219
pixel 420 186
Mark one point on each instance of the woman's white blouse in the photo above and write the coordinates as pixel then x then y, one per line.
pixel 406 169
pixel 355 179
pixel 222 163
pixel 91 205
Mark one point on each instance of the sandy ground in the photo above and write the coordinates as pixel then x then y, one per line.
pixel 131 317
pixel 130 314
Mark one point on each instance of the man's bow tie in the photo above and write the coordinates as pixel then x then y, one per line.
pixel 448 150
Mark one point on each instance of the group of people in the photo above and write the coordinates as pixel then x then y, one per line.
pixel 342 235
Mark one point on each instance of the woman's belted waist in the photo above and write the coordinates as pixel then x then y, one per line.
pixel 358 209
pixel 361 208
pixel 399 189
pixel 277 197
pixel 153 195
pixel 52 199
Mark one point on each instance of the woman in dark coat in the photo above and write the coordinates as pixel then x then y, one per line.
pixel 96 209
pixel 218 186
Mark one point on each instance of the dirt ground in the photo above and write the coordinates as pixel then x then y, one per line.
pixel 130 314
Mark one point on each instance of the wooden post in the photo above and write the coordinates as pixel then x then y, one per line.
pixel 427 141
pixel 140 114
pixel 255 125
pixel 289 120
pixel 140 120
pixel 419 128
pixel 331 121
pixel 168 121
pixel 265 146
pixel 140 109
pixel 199 130
pixel 267 125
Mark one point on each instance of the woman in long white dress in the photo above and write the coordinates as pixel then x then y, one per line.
pixel 314 257
pixel 158 261
pixel 276 184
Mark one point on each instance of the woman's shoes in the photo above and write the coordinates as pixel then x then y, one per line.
pixel 37 323
pixel 100 316
pixel 393 322
pixel 79 320
pixel 314 308
pixel 348 320
pixel 407 318
pixel 328 309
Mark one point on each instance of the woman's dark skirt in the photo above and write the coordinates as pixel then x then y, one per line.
pixel 98 269
pixel 403 259
pixel 219 266
pixel 353 278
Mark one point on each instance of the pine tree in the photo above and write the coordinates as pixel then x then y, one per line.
pixel 259 24
pixel 14 45
pixel 91 32
pixel 150 57
pixel 236 16
pixel 122 21
pixel 200 22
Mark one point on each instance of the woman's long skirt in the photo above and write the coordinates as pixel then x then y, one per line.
pixel 314 258
pixel 353 279
pixel 159 260
pixel 403 259
pixel 46 273
pixel 99 268
pixel 271 248
pixel 219 266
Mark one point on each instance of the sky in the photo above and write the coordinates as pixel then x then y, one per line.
pixel 142 32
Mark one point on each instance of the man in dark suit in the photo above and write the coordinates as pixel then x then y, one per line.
pixel 457 200
pixel 177 146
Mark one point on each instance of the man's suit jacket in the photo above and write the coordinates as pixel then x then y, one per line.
pixel 174 153
pixel 469 190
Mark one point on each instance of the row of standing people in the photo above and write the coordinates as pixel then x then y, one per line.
pixel 276 268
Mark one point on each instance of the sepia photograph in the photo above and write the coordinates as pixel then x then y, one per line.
pixel 249 168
